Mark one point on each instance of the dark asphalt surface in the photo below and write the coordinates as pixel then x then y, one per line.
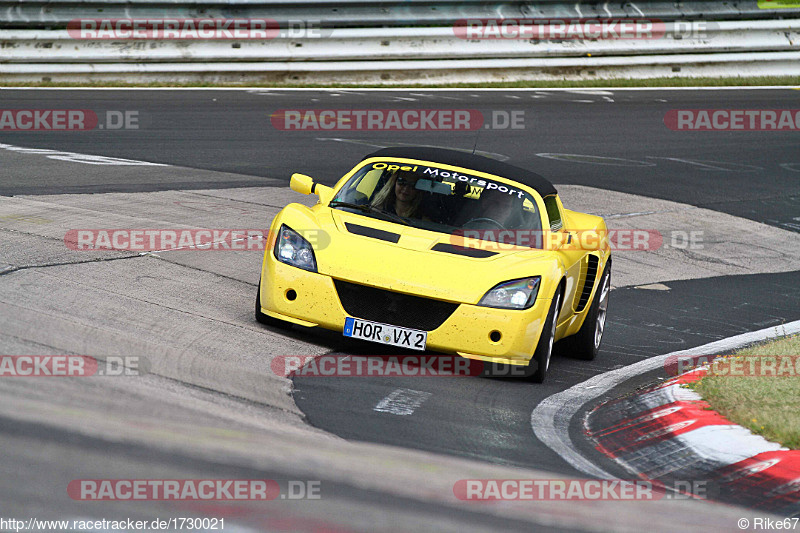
pixel 490 418
pixel 749 174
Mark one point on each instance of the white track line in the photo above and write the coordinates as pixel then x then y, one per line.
pixel 74 157
pixel 551 418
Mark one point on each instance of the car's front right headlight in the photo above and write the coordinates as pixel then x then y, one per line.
pixel 291 248
pixel 516 294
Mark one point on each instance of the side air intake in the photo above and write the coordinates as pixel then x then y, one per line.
pixel 587 280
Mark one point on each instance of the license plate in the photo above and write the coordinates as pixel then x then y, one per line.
pixel 385 333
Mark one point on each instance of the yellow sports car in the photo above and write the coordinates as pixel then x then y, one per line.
pixel 433 249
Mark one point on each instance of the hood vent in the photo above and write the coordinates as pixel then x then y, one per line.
pixel 462 250
pixel 366 231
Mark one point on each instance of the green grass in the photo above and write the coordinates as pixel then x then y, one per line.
pixel 789 81
pixel 767 405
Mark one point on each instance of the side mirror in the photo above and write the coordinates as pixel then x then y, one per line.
pixel 305 185
pixel 302 183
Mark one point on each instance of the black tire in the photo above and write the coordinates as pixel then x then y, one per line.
pixel 544 350
pixel 266 319
pixel 585 344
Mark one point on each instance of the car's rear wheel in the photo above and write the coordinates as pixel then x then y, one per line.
pixel 544 350
pixel 586 343
pixel 266 319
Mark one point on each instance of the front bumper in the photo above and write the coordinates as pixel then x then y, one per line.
pixel 311 299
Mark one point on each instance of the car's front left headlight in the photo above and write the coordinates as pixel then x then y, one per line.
pixel 291 248
pixel 516 294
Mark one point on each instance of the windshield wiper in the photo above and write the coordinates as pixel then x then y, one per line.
pixel 366 208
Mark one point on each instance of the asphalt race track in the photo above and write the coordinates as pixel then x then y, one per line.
pixel 748 174
pixel 490 419
pixel 210 405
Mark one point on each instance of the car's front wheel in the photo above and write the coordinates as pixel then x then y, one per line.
pixel 586 343
pixel 544 350
pixel 266 319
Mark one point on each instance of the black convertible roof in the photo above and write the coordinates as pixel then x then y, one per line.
pixel 469 161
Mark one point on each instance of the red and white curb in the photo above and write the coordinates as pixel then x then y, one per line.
pixel 670 435
pixel 742 460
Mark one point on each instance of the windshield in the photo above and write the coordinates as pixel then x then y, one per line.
pixel 432 198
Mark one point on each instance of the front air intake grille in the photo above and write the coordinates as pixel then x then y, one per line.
pixel 588 279
pixel 393 308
